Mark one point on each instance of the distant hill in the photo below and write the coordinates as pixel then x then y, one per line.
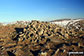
pixel 16 22
pixel 67 23
pixel 70 23
pixel 1 24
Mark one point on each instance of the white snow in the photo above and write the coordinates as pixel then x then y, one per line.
pixel 16 22
pixel 62 23
pixel 66 22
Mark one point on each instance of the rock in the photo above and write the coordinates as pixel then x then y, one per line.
pixel 42 39
pixel 44 54
pixel 57 51
pixel 24 30
pixel 3 53
pixel 40 31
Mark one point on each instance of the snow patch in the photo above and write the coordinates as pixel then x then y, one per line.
pixel 64 23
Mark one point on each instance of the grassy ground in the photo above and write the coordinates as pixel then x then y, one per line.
pixel 8 29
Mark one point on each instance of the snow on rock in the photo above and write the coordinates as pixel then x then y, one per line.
pixel 65 23
pixel 16 22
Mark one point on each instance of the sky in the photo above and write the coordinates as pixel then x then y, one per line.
pixel 43 10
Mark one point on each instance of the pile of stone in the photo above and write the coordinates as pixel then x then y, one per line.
pixel 37 32
pixel 40 39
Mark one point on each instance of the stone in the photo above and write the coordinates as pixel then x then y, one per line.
pixel 42 39
pixel 44 53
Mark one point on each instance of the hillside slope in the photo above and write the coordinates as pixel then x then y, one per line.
pixel 40 39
